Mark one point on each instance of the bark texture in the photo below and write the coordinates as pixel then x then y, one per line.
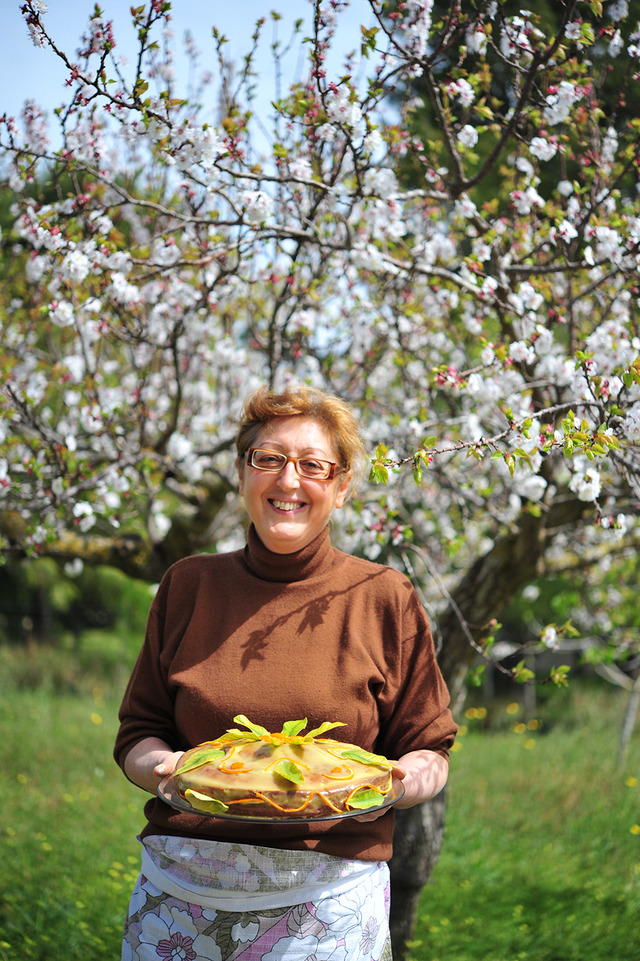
pixel 416 846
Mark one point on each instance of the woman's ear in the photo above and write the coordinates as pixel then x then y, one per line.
pixel 343 489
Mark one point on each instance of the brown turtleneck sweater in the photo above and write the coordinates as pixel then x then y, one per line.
pixel 317 634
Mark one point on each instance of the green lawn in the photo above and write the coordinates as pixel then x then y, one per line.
pixel 541 860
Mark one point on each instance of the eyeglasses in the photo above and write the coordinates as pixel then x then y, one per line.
pixel 275 461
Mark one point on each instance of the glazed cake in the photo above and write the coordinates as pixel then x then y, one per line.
pixel 287 775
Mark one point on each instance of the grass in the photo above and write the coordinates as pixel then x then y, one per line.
pixel 541 860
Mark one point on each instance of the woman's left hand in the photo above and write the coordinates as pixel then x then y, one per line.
pixel 424 774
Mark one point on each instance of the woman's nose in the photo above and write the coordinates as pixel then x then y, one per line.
pixel 288 476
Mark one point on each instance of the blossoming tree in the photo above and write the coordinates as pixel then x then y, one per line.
pixel 473 291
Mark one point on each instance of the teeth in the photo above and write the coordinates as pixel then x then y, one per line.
pixel 285 505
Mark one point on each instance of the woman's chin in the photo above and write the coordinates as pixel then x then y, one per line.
pixel 286 536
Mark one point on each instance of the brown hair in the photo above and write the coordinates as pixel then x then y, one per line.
pixel 331 412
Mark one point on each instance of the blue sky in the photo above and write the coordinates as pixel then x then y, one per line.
pixel 30 72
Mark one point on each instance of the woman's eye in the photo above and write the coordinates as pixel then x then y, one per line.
pixel 312 466
pixel 269 460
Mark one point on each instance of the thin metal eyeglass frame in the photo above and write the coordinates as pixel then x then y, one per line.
pixel 333 468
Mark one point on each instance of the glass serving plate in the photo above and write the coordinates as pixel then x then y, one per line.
pixel 168 793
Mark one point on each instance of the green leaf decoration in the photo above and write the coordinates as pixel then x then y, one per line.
pixel 366 757
pixel 289 770
pixel 205 803
pixel 292 728
pixel 255 728
pixel 205 755
pixel 325 726
pixel 365 797
pixel 233 734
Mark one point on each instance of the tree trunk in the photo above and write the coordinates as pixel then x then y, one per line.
pixel 416 846
pixel 629 721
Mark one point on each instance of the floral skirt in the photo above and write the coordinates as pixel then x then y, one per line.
pixel 199 900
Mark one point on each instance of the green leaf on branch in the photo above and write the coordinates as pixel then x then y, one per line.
pixel 475 676
pixel 368 40
pixel 522 674
pixel 558 675
pixel 379 474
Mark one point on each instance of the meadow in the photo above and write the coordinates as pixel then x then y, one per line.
pixel 541 858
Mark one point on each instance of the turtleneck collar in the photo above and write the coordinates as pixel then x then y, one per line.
pixel 287 568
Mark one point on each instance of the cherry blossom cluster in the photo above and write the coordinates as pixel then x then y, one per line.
pixel 474 293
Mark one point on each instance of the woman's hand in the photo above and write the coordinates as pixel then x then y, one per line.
pixel 423 775
pixel 149 761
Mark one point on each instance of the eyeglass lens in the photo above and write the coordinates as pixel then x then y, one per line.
pixel 271 460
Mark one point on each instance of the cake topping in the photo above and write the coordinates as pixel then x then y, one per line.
pixel 287 772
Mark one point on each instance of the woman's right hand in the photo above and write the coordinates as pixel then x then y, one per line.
pixel 149 761
pixel 168 764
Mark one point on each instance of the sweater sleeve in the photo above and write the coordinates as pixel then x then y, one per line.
pixel 414 703
pixel 147 708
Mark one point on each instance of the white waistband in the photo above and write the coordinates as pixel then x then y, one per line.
pixel 309 887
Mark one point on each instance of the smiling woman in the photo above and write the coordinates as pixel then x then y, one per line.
pixel 288 627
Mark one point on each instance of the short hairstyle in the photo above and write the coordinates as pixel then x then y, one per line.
pixel 335 415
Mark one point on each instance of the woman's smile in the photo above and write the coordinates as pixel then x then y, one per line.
pixel 287 506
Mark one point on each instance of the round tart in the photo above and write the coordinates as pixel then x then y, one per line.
pixel 255 773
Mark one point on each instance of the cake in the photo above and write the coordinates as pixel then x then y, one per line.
pixel 254 773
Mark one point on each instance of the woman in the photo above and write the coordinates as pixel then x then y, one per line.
pixel 286 628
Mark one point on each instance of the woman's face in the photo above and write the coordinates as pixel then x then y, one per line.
pixel 288 510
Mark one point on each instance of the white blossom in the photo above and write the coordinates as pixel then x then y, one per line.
pixel 560 101
pixel 543 149
pixel 300 168
pixel 75 266
pixel 468 136
pixel 416 26
pixel 525 200
pixel 585 480
pixel 619 10
pixel 464 207
pixel 549 637
pixel 565 231
pixel 531 487
pixel 84 514
pixel 521 352
pixel 61 313
pixel 616 44
pixel 381 182
pixel 462 90
pixel 257 206
pixel 476 40
pixel 341 109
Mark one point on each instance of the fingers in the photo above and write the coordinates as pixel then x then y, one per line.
pixel 168 764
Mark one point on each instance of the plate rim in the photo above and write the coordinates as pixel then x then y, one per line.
pixel 175 801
